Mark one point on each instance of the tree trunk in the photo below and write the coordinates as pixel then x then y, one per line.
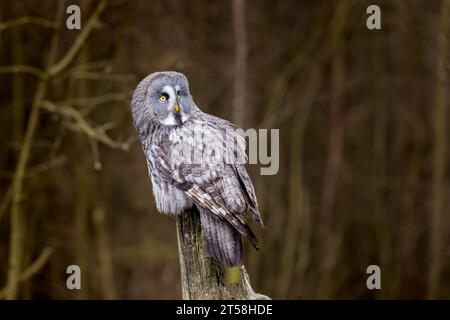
pixel 240 63
pixel 438 203
pixel 203 278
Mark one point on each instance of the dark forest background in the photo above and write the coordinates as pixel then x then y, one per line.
pixel 364 143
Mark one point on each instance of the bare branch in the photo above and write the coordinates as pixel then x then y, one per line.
pixel 96 155
pixel 81 39
pixel 82 124
pixel 38 169
pixel 37 264
pixel 23 69
pixel 26 20
pixel 95 101
pixel 92 65
pixel 34 268
pixel 5 202
pixel 89 75
pixel 43 167
pixel 46 166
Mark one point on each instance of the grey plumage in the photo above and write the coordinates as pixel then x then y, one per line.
pixel 221 240
pixel 174 135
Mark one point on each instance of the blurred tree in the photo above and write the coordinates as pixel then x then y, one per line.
pixel 440 159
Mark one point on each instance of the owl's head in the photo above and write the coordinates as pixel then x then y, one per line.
pixel 163 97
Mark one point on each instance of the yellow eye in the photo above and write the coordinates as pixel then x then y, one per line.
pixel 179 96
pixel 162 98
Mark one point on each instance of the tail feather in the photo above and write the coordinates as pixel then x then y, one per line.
pixel 221 240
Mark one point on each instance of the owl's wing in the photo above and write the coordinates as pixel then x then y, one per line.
pixel 224 190
pixel 216 188
pixel 241 174
pixel 249 192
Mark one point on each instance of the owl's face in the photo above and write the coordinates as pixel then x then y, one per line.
pixel 169 98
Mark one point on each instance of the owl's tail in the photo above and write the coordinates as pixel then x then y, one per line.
pixel 221 240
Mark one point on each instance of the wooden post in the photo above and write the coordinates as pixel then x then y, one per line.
pixel 202 277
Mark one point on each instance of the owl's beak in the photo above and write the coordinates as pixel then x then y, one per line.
pixel 177 107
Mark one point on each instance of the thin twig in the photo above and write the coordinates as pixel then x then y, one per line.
pixel 34 268
pixel 36 170
pixel 96 155
pixel 23 69
pixel 93 65
pixel 46 166
pixel 26 20
pixel 5 202
pixel 83 125
pixel 89 75
pixel 94 101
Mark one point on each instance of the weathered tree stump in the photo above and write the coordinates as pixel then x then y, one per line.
pixel 203 277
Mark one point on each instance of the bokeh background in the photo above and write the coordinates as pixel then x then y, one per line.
pixel 364 143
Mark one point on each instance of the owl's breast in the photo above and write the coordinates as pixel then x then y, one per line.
pixel 169 199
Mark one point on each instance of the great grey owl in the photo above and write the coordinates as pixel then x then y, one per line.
pixel 188 156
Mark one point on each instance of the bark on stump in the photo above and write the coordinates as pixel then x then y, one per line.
pixel 203 277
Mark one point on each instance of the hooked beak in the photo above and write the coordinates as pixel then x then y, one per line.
pixel 177 107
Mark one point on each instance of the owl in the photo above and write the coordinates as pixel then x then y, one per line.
pixel 195 159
